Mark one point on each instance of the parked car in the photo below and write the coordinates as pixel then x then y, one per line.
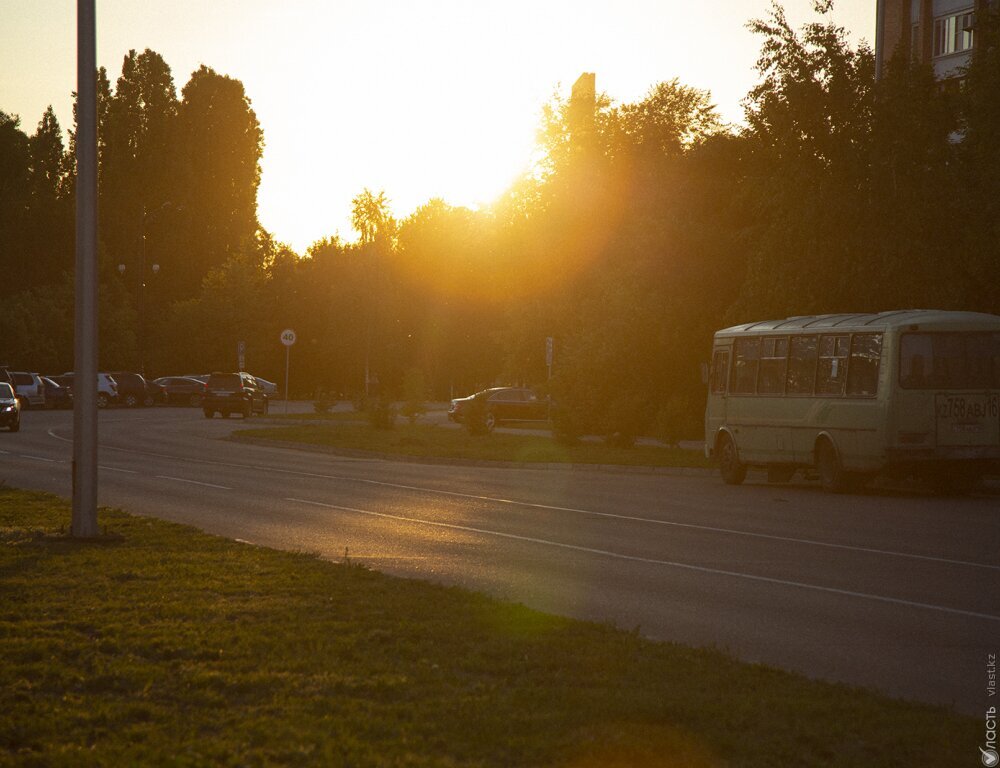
pixel 228 393
pixel 134 390
pixel 56 395
pixel 503 404
pixel 181 390
pixel 107 389
pixel 29 388
pixel 10 408
pixel 202 377
pixel 7 378
pixel 269 387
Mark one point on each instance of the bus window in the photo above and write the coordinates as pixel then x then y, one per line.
pixel 862 372
pixel 746 354
pixel 773 361
pixel 802 365
pixel 832 371
pixel 949 360
pixel 720 369
pixel 983 353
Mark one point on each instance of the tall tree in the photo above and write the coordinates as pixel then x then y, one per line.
pixel 219 143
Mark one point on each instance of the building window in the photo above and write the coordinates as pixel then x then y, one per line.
pixel 953 34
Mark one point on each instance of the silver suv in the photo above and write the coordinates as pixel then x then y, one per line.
pixel 30 388
pixel 107 389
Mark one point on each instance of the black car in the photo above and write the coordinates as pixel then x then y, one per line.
pixel 134 390
pixel 10 408
pixel 180 390
pixel 56 395
pixel 228 393
pixel 503 404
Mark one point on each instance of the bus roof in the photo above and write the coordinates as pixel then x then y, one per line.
pixel 867 321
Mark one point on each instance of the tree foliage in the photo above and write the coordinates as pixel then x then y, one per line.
pixel 643 228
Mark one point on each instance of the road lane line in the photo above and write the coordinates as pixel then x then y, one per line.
pixel 574 510
pixel 38 458
pixel 653 561
pixel 194 482
pixel 116 469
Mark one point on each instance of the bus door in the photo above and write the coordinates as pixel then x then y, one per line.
pixel 716 408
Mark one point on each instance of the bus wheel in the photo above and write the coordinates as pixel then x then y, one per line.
pixel 734 472
pixel 832 476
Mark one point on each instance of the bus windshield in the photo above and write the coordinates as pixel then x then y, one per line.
pixel 949 360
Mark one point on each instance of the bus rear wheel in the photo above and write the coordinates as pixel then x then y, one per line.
pixel 832 476
pixel 733 470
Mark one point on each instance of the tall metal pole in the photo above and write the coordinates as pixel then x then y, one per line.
pixel 142 298
pixel 84 522
pixel 288 355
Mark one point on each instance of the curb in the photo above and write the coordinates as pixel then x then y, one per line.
pixel 548 466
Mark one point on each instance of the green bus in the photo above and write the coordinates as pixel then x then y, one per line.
pixel 852 396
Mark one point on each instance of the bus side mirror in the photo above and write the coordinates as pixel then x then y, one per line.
pixel 704 373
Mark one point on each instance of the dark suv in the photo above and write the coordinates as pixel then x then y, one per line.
pixel 134 390
pixel 228 393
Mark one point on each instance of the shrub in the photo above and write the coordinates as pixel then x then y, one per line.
pixel 414 391
pixel 474 417
pixel 381 412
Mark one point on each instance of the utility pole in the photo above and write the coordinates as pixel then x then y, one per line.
pixel 84 521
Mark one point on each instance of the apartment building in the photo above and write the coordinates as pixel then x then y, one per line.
pixel 942 32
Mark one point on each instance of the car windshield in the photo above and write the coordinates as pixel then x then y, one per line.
pixel 224 380
pixel 6 393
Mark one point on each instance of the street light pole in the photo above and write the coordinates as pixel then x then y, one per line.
pixel 141 300
pixel 84 518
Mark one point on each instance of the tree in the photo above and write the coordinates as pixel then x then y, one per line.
pixel 809 135
pixel 218 149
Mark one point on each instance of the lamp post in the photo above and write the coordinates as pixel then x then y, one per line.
pixel 140 303
pixel 141 290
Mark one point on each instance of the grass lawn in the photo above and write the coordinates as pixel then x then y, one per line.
pixel 172 647
pixel 422 440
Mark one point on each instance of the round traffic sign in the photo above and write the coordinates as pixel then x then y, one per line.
pixel 288 337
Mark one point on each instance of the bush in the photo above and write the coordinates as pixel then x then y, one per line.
pixel 381 413
pixel 414 391
pixel 474 417
pixel 678 418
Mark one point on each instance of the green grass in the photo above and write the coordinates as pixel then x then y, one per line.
pixel 172 647
pixel 421 440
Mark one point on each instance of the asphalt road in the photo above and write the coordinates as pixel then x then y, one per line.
pixel 893 590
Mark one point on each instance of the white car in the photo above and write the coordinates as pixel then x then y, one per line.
pixel 107 389
pixel 269 387
pixel 30 388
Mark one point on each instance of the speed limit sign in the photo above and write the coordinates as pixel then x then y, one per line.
pixel 288 337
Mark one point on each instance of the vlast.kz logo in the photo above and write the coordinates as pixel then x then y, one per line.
pixel 990 757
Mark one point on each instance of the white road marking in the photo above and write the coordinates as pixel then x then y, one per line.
pixel 118 469
pixel 574 510
pixel 652 561
pixel 38 458
pixel 194 482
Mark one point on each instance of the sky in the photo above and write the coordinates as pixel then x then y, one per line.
pixel 419 98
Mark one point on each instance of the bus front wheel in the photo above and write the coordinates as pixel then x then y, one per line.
pixel 733 470
pixel 832 476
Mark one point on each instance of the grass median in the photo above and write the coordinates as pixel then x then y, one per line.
pixel 428 441
pixel 166 646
